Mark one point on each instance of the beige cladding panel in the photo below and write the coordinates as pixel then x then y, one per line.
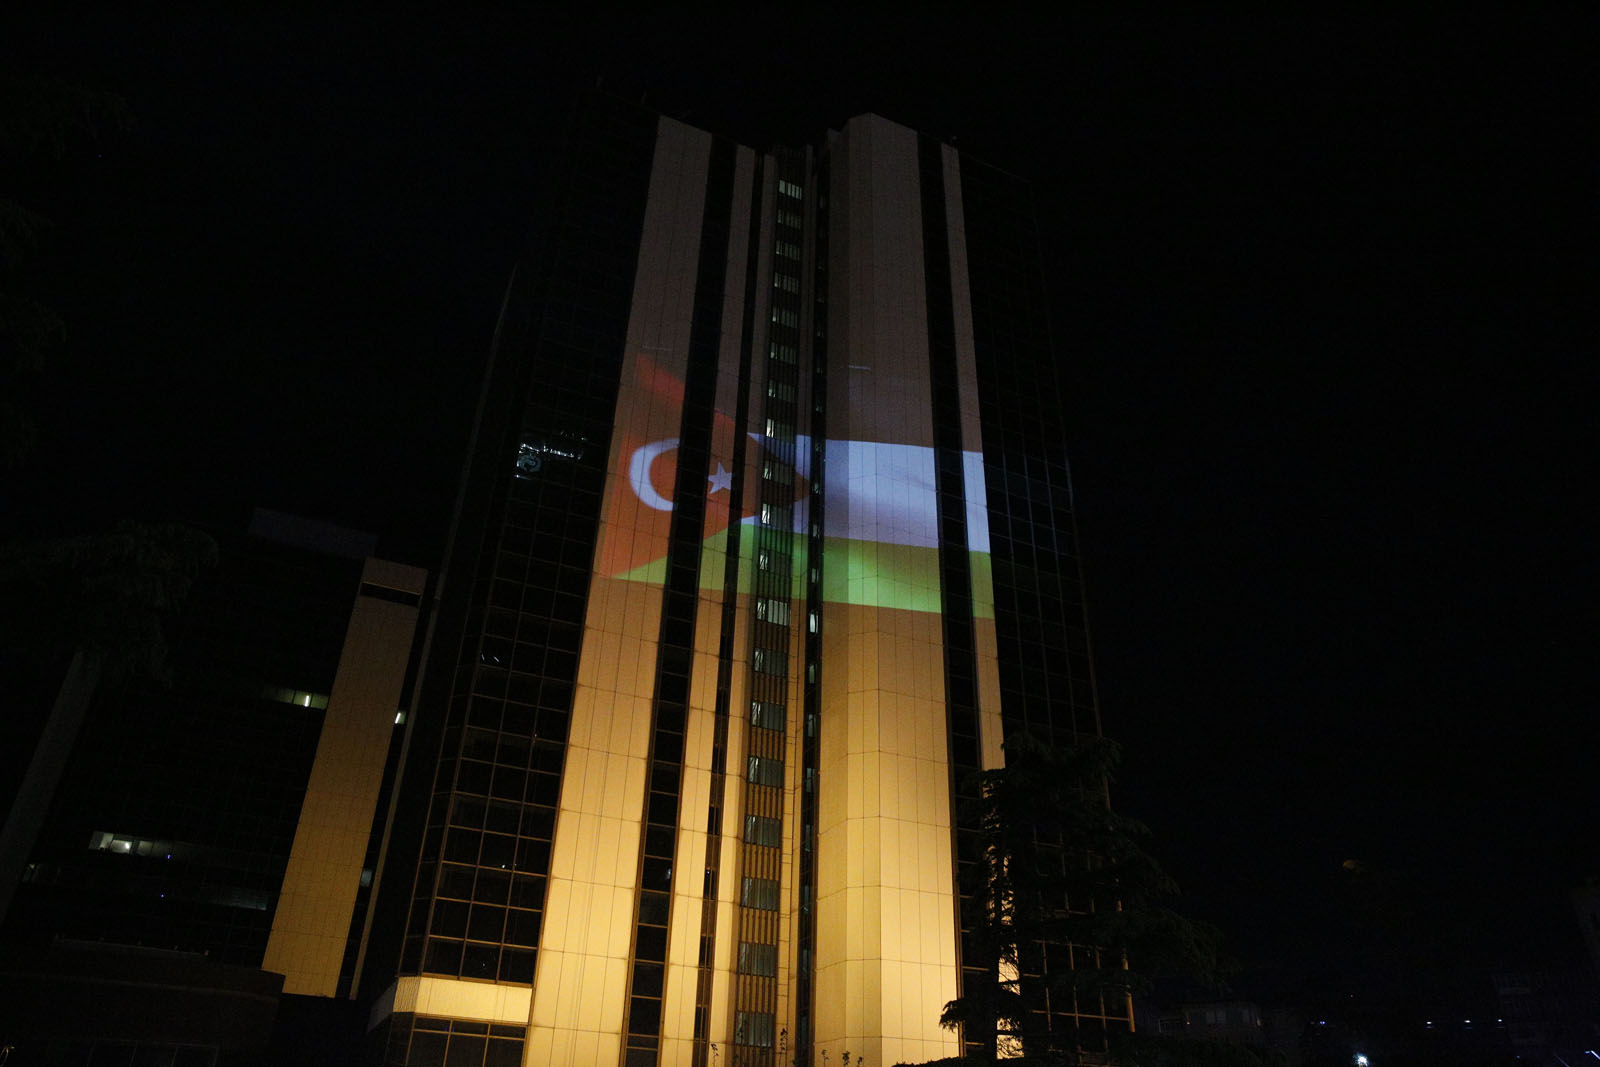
pixel 577 1011
pixel 886 956
pixel 312 920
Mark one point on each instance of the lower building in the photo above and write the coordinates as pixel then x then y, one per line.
pixel 207 843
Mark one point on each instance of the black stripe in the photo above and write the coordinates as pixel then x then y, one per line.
pixel 680 601
pixel 955 569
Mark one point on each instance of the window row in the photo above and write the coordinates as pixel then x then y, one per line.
pixel 298 697
pixel 756 1028
pixel 759 830
pixel 776 515
pixel 506 783
pixel 766 714
pixel 760 893
pixel 459 1043
pixel 497 850
pixel 490 885
pixel 769 662
pixel 765 771
pixel 776 471
pixel 758 959
pixel 469 959
pixel 486 922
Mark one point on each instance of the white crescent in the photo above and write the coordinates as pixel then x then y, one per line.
pixel 639 472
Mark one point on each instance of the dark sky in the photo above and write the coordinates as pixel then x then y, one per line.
pixel 1318 285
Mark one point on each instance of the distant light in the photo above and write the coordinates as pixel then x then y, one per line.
pixel 1361 1059
pixel 306 702
pixel 399 717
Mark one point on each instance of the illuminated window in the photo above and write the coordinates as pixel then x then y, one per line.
pixel 774 471
pixel 759 830
pixel 786 250
pixel 789 218
pixel 766 715
pixel 774 515
pixel 785 317
pixel 758 959
pixel 774 611
pixel 762 771
pixel 780 390
pixel 782 353
pixel 792 190
pixel 811 622
pixel 128 845
pixel 753 1028
pixel 298 697
pixel 772 562
pixel 787 282
pixel 769 662
pixel 760 893
pixel 779 430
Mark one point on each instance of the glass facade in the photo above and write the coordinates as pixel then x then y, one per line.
pixel 764 543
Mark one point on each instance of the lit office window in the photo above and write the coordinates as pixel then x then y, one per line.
pixel 761 893
pixel 758 959
pixel 759 830
pixel 763 771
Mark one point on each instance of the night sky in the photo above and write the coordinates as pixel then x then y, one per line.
pixel 1319 301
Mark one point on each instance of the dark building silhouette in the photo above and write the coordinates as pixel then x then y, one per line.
pixel 208 841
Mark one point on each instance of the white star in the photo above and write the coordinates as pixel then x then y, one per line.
pixel 723 479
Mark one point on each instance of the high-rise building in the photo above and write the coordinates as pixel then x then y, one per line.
pixel 764 543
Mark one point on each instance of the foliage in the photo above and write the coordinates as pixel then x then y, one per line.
pixel 39 119
pixel 104 593
pixel 1058 890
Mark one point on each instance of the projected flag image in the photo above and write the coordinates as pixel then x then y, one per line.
pixel 880 522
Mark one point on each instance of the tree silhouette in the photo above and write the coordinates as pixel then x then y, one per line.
pixel 1067 910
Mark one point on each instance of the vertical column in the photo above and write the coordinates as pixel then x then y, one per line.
pixel 581 980
pixel 311 925
pixel 886 954
pixel 977 501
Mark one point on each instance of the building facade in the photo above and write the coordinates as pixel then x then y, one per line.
pixel 765 542
pixel 206 842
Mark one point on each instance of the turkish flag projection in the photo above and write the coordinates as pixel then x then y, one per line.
pixel 633 540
